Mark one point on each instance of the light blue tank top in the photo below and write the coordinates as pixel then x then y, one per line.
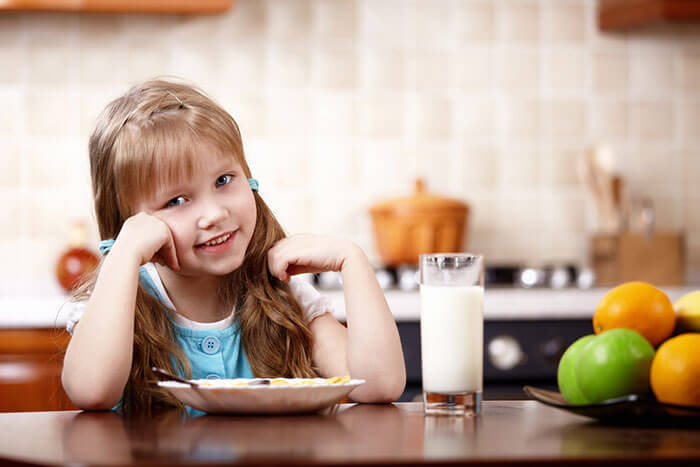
pixel 213 354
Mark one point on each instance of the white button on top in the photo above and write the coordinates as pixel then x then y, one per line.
pixel 211 345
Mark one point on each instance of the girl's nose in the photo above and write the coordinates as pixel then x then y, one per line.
pixel 211 214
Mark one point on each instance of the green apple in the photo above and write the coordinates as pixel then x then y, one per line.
pixel 566 376
pixel 614 364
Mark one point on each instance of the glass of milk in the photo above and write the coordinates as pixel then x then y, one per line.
pixel 452 332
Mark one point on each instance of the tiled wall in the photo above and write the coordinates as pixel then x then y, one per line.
pixel 344 102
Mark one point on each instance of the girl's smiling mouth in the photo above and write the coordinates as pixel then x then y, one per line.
pixel 217 244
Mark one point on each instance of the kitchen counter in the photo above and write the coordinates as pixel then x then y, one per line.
pixel 507 433
pixel 499 303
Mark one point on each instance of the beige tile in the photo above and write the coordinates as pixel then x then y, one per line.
pixel 288 116
pixel 568 22
pixel 668 213
pixel 143 64
pixel 14 69
pixel 609 73
pixel 287 65
pixel 525 212
pixel 690 122
pixel 653 74
pixel 288 18
pixel 42 107
pixel 661 168
pixel 154 30
pixel 475 21
pixel 10 28
pixel 565 161
pixel 433 25
pixel 11 116
pixel 484 216
pixel 380 158
pixel 381 115
pixel 566 69
pixel 473 69
pixel 335 116
pixel 50 164
pixel 194 65
pixel 195 31
pixel 431 70
pixel 384 24
pixel 522 120
pixel 521 70
pixel 246 20
pixel 691 214
pixel 330 220
pixel 243 67
pixel 12 156
pixel 335 166
pixel 334 19
pixel 608 120
pixel 521 21
pixel 433 164
pixel 382 69
pixel 518 167
pixel 47 216
pixel 478 119
pixel 690 163
pixel 479 166
pixel 690 72
pixel 655 120
pixel 49 65
pixel 46 29
pixel 96 65
pixel 566 213
pixel 250 112
pixel 92 101
pixel 568 120
pixel 99 30
pixel 334 67
pixel 433 117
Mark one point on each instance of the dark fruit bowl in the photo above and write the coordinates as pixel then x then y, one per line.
pixel 629 410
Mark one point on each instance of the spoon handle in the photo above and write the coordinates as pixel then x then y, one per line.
pixel 167 376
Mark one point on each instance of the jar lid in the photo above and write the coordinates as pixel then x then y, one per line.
pixel 419 202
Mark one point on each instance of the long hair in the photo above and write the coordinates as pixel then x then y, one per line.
pixel 148 136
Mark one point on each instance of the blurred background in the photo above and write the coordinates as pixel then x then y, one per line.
pixel 558 138
pixel 345 102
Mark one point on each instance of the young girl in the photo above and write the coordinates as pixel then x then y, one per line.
pixel 197 274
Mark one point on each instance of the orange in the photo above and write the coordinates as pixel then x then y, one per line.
pixel 675 370
pixel 638 306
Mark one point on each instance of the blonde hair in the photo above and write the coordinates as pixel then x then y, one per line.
pixel 155 128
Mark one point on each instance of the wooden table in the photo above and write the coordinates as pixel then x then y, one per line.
pixel 512 432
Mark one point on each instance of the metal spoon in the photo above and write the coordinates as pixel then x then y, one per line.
pixel 163 375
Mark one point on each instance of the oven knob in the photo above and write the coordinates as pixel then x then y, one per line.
pixel 553 349
pixel 504 352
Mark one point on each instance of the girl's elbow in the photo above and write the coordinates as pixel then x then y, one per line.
pixel 85 397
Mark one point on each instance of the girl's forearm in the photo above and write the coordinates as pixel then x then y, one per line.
pixel 374 347
pixel 98 359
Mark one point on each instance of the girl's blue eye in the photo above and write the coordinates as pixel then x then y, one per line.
pixel 175 202
pixel 224 180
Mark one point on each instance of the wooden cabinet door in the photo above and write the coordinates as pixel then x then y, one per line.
pixel 31 361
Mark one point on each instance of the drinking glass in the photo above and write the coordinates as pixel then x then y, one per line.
pixel 452 332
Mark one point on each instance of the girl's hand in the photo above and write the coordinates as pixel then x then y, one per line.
pixel 150 239
pixel 307 253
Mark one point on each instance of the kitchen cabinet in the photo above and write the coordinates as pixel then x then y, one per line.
pixel 31 361
pixel 626 14
pixel 120 6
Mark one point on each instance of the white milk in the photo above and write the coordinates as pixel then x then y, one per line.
pixel 452 337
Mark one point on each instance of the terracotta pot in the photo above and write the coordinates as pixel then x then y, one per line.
pixel 423 223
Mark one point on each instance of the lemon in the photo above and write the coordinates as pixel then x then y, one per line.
pixel 688 311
